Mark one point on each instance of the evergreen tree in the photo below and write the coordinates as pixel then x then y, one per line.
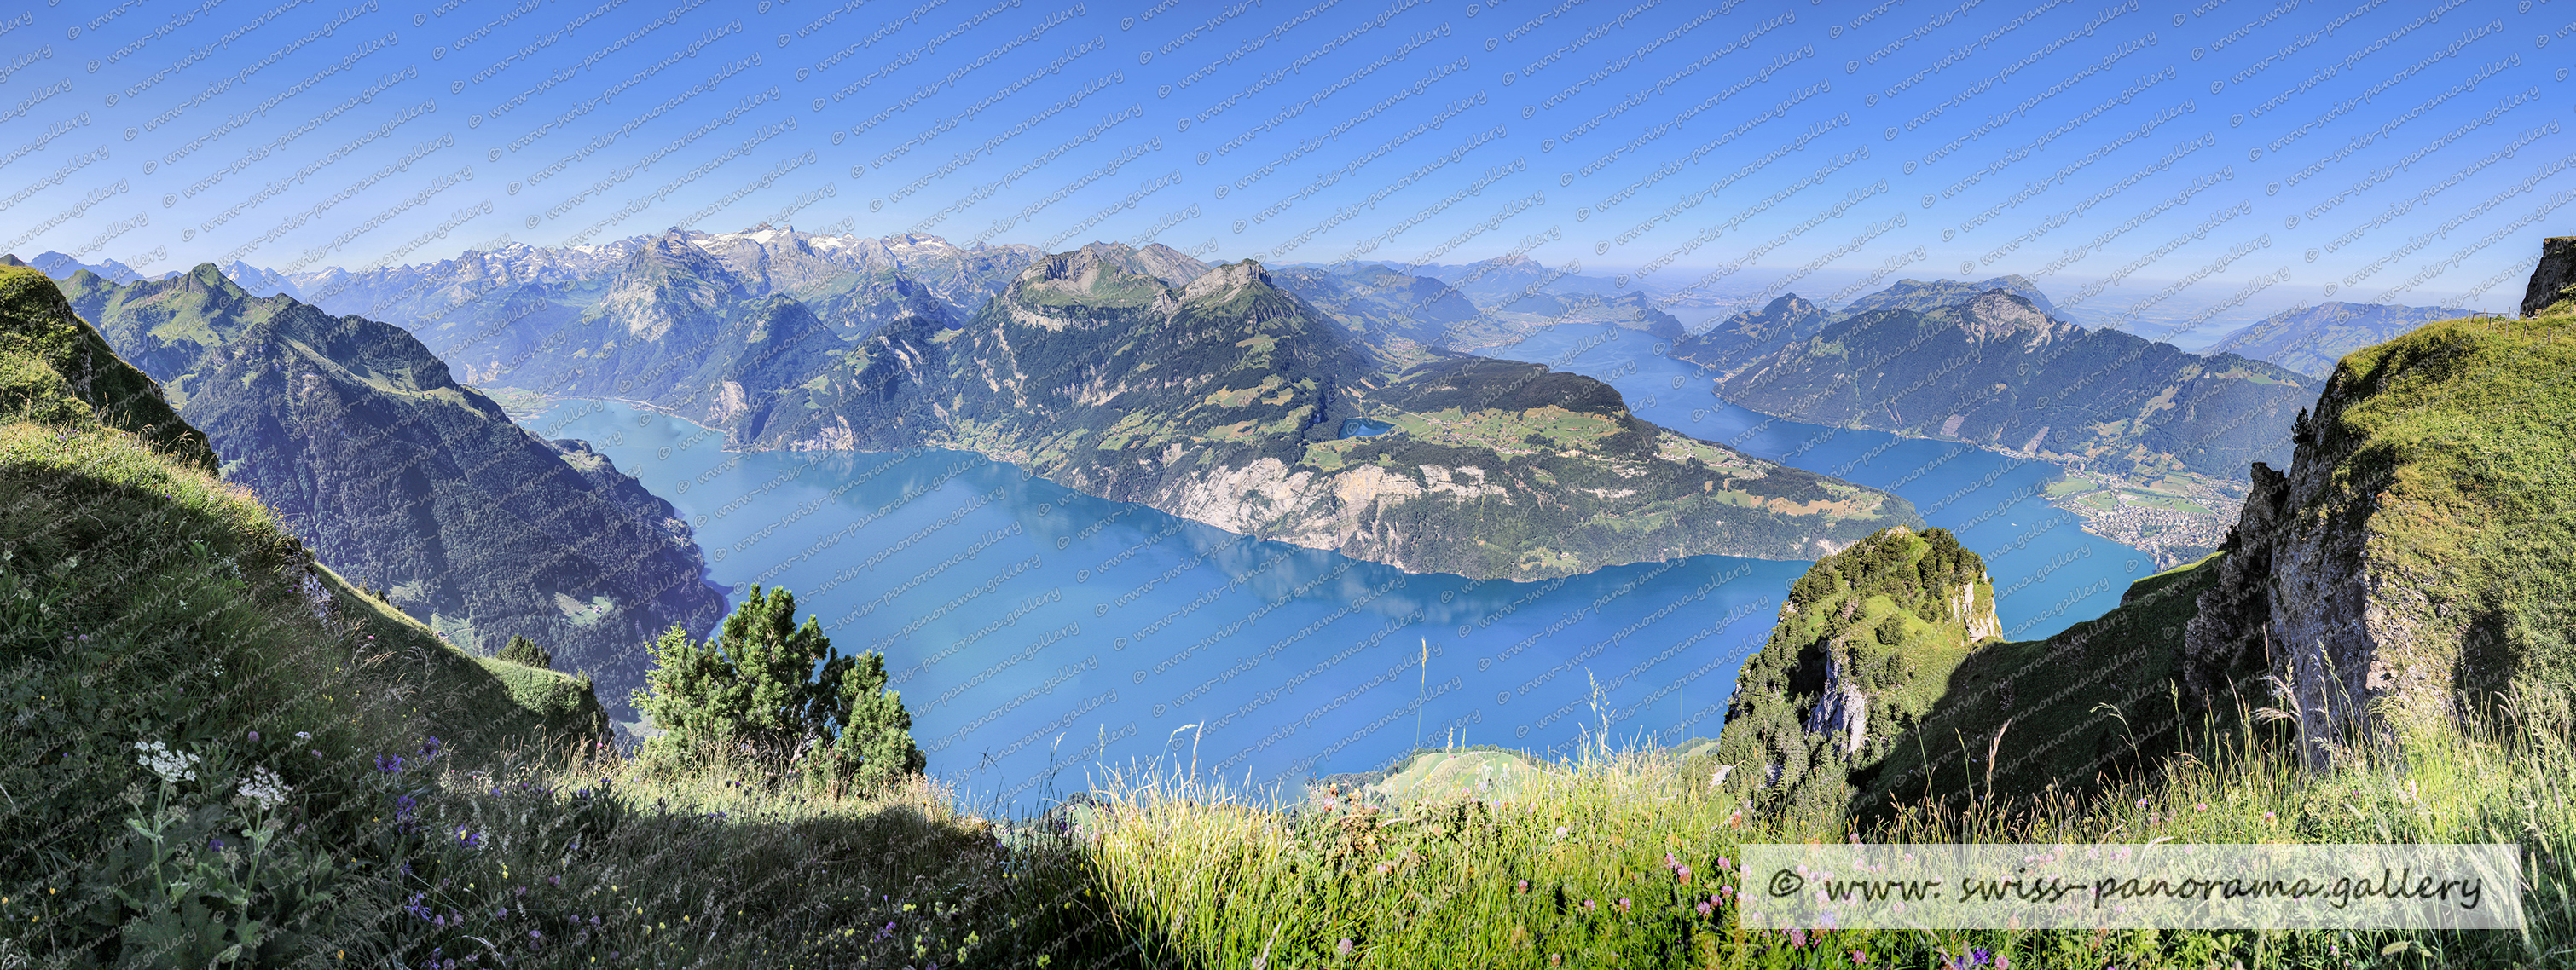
pixel 522 650
pixel 774 690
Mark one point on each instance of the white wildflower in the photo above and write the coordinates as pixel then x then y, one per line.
pixel 172 766
pixel 266 788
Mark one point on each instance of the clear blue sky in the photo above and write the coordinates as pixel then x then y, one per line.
pixel 2395 151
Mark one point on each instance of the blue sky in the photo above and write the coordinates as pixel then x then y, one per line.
pixel 2250 152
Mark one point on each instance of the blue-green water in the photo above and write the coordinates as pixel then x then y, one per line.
pixel 1039 635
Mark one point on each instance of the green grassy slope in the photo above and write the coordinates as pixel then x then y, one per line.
pixel 2094 699
pixel 405 480
pixel 141 550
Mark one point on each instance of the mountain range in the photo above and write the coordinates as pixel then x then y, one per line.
pixel 364 446
pixel 2153 438
pixel 1326 410
pixel 1217 394
pixel 1213 394
pixel 2311 339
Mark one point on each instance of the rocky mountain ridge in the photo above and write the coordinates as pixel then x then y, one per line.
pixel 1226 400
pixel 364 445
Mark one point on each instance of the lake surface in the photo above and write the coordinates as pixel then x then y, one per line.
pixel 1041 637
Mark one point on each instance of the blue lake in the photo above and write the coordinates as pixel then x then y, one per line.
pixel 1040 635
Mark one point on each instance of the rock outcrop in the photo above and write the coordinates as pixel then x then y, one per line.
pixel 2415 561
pixel 2554 279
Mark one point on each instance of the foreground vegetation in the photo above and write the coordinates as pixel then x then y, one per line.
pixel 1623 859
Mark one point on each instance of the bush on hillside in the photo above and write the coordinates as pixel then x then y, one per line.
pixel 770 689
pixel 522 650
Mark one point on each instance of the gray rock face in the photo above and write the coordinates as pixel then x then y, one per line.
pixel 2297 602
pixel 2556 274
pixel 1843 709
pixel 2335 642
pixel 2228 637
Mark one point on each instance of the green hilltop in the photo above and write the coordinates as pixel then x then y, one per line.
pixel 1865 648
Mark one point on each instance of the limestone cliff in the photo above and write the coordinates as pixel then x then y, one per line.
pixel 2420 554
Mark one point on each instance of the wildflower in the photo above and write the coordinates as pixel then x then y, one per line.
pixel 2142 801
pixel 304 735
pixel 1859 958
pixel 1797 937
pixel 1623 904
pixel 172 766
pixel 254 735
pixel 1703 907
pixel 2271 816
pixel 215 844
pixel 1683 873
pixel 1978 956
pixel 1588 905
pixel 2204 806
pixel 1524 888
pixel 1343 948
pixel 266 788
